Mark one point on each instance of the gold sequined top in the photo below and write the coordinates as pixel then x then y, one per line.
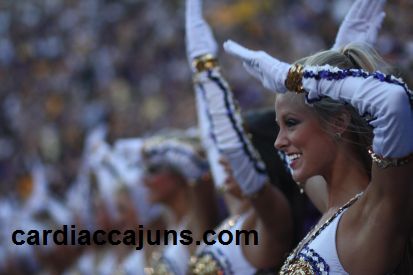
pixel 219 258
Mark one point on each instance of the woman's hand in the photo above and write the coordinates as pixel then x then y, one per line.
pixel 230 185
pixel 199 37
pixel 362 23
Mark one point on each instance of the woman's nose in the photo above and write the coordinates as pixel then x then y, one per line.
pixel 281 141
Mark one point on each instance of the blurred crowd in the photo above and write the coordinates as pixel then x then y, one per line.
pixel 68 67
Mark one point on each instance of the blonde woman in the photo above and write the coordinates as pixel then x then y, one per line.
pixel 340 101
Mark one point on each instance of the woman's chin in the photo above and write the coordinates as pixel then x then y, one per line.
pixel 299 177
pixel 296 176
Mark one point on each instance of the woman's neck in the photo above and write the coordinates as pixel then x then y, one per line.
pixel 178 206
pixel 346 179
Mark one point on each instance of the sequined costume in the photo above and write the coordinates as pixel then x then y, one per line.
pixel 223 259
pixel 317 252
pixel 173 260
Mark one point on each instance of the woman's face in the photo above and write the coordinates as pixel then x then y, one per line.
pixel 310 149
pixel 162 184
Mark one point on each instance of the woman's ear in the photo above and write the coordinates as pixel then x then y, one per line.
pixel 341 122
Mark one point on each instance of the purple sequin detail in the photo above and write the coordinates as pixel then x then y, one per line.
pixel 318 264
pixel 341 74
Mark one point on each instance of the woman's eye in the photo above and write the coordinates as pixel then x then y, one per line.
pixel 291 122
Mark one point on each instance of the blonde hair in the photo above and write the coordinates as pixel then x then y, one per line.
pixel 351 56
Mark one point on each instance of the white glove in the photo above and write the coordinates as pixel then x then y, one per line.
pixel 387 101
pixel 270 71
pixel 361 24
pixel 205 126
pixel 226 127
pixel 199 37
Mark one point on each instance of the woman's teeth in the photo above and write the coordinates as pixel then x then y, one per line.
pixel 293 157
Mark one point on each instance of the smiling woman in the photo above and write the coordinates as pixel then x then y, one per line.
pixel 325 129
pixel 302 138
pixel 342 123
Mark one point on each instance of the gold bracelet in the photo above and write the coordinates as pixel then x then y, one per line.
pixel 204 62
pixel 294 81
pixel 383 162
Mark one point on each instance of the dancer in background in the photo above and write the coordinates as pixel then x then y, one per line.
pixel 177 175
pixel 262 207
